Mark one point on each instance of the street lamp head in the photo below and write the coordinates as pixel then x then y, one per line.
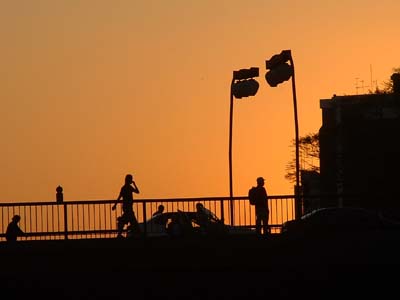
pixel 245 88
pixel 278 59
pixel 243 74
pixel 279 74
pixel 278 68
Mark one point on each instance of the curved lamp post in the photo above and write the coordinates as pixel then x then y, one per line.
pixel 279 71
pixel 242 85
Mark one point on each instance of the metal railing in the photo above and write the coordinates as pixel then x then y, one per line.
pixel 96 219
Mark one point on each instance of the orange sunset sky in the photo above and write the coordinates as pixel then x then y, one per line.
pixel 93 90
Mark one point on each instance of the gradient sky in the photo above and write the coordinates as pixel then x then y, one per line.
pixel 93 90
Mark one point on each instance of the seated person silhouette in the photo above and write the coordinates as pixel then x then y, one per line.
pixel 13 230
pixel 204 217
pixel 180 225
pixel 160 218
pixel 159 211
pixel 176 227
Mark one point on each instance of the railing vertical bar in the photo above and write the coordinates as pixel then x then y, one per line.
pixel 58 217
pixel 144 220
pixel 99 216
pixel 65 221
pixel 47 218
pixel 108 211
pixel 23 217
pixel 30 219
pixel 52 221
pixel 287 211
pixel 2 222
pixel 104 219
pixel 36 219
pixel 77 218
pixel 107 225
pixel 41 220
pixel 89 223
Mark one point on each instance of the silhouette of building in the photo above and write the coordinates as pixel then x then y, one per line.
pixel 310 183
pixel 360 150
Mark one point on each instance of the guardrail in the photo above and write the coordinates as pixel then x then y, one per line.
pixel 96 219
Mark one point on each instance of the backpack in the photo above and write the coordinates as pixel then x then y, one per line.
pixel 253 195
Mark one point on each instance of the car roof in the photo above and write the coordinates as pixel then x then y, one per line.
pixel 171 214
pixel 334 208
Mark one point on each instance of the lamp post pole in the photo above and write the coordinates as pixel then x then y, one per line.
pixel 296 128
pixel 230 153
pixel 242 85
pixel 280 71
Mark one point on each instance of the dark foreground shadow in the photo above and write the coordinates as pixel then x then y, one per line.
pixel 207 268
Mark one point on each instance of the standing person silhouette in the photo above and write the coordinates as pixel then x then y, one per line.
pixel 261 206
pixel 128 215
pixel 13 230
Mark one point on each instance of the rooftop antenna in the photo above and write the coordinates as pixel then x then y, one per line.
pixel 362 86
pixel 357 87
pixel 374 83
pixel 370 74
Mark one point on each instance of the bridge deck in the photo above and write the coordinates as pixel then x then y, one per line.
pixel 230 268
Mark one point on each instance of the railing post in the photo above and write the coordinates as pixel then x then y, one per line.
pixel 144 219
pixel 65 222
pixel 222 211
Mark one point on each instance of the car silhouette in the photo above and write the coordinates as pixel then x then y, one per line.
pixel 181 223
pixel 336 220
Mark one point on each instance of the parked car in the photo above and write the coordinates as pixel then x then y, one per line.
pixel 332 220
pixel 180 223
pixel 167 224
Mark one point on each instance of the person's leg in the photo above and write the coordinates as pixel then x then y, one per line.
pixel 133 224
pixel 120 225
pixel 258 224
pixel 265 226
pixel 263 215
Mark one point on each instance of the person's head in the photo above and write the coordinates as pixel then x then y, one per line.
pixel 161 208
pixel 260 181
pixel 16 218
pixel 128 179
pixel 199 206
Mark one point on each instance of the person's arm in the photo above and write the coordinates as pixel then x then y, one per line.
pixel 214 217
pixel 265 196
pixel 116 202
pixel 20 231
pixel 210 215
pixel 135 188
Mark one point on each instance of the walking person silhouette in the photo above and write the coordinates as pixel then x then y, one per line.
pixel 128 215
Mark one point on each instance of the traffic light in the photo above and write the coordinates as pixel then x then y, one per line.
pixel 279 69
pixel 245 88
